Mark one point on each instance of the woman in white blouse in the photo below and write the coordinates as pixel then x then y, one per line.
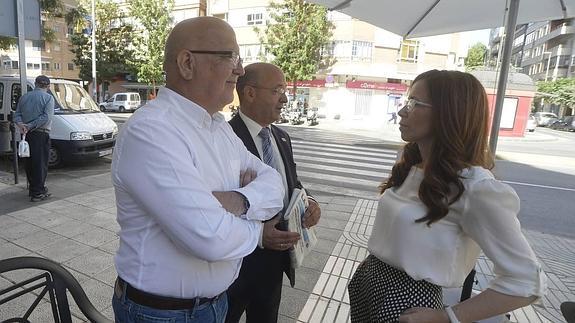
pixel 439 208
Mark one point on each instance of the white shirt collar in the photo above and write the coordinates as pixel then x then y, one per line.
pixel 253 127
pixel 198 115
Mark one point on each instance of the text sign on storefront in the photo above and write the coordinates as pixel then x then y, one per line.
pixel 369 85
pixel 312 83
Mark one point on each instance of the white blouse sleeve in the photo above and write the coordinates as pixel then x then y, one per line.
pixel 490 219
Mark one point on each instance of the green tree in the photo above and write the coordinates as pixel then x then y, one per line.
pixel 475 56
pixel 296 37
pixel 114 38
pixel 560 91
pixel 50 9
pixel 153 16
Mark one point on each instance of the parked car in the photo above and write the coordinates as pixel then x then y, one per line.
pixel 566 124
pixel 531 123
pixel 545 118
pixel 79 130
pixel 127 101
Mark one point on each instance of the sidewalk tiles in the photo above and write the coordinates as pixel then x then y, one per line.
pixel 79 231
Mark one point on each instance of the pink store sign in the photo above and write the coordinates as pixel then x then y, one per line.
pixel 369 85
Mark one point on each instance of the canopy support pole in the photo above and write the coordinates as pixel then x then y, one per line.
pixel 503 73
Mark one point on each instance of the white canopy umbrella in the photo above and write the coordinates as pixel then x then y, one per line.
pixel 419 18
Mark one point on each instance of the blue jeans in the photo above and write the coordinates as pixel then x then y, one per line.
pixel 127 311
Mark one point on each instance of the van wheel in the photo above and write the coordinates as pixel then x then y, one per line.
pixel 102 108
pixel 54 158
pixel 121 109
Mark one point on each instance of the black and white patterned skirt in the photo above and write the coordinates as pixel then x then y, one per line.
pixel 380 293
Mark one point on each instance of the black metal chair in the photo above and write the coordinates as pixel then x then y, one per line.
pixel 468 286
pixel 54 281
pixel 568 311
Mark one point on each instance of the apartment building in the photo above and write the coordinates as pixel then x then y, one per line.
pixel 50 58
pixel 373 70
pixel 543 50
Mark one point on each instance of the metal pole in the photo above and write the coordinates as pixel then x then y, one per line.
pixel 548 63
pixel 23 80
pixel 94 79
pixel 502 83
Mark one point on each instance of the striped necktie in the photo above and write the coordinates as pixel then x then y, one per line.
pixel 268 156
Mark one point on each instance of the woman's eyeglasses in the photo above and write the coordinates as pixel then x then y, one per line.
pixel 412 103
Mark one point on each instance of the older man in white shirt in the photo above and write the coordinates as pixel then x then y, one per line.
pixel 190 197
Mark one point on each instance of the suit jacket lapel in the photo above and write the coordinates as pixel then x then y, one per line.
pixel 282 143
pixel 243 133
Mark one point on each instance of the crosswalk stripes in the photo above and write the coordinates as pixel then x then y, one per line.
pixel 341 169
pixel 321 135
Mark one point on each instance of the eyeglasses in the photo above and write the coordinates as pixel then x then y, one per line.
pixel 275 90
pixel 233 56
pixel 412 103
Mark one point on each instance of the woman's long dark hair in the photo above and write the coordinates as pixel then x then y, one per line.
pixel 460 126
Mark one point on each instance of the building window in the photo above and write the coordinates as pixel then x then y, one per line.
pixel 409 51
pixel 251 52
pixel 56 29
pixel 363 102
pixel 57 46
pixel 45 66
pixel 7 65
pixel 37 45
pixel 56 66
pixel 530 38
pixel 361 50
pixel 70 66
pixel 255 19
pixel 15 65
pixel 222 16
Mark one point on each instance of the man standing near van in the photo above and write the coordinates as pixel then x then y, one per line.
pixel 34 118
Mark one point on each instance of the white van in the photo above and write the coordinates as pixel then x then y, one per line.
pixel 121 102
pixel 79 130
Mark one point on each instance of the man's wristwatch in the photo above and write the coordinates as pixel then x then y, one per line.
pixel 246 202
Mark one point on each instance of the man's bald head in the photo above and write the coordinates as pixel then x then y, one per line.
pixel 262 93
pixel 256 74
pixel 202 62
pixel 201 33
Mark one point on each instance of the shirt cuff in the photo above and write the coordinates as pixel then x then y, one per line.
pixel 261 241
pixel 253 200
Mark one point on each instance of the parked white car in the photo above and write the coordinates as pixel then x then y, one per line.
pixel 121 102
pixel 545 118
pixel 79 130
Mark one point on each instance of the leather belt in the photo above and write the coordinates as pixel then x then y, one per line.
pixel 158 302
pixel 41 130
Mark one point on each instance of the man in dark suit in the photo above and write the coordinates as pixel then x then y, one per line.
pixel 257 290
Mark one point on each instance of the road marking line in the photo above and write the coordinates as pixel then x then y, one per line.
pixel 541 186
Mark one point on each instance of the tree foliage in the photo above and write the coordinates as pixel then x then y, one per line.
pixel 296 37
pixel 475 56
pixel 50 9
pixel 153 17
pixel 560 91
pixel 114 38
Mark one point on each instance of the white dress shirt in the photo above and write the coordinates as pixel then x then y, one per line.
pixel 254 128
pixel 176 239
pixel 484 218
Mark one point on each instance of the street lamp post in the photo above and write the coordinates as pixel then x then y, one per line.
pixel 94 80
pixel 548 63
pixel 546 75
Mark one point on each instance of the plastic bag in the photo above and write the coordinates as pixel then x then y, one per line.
pixel 23 148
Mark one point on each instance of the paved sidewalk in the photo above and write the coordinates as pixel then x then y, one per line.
pixel 77 228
